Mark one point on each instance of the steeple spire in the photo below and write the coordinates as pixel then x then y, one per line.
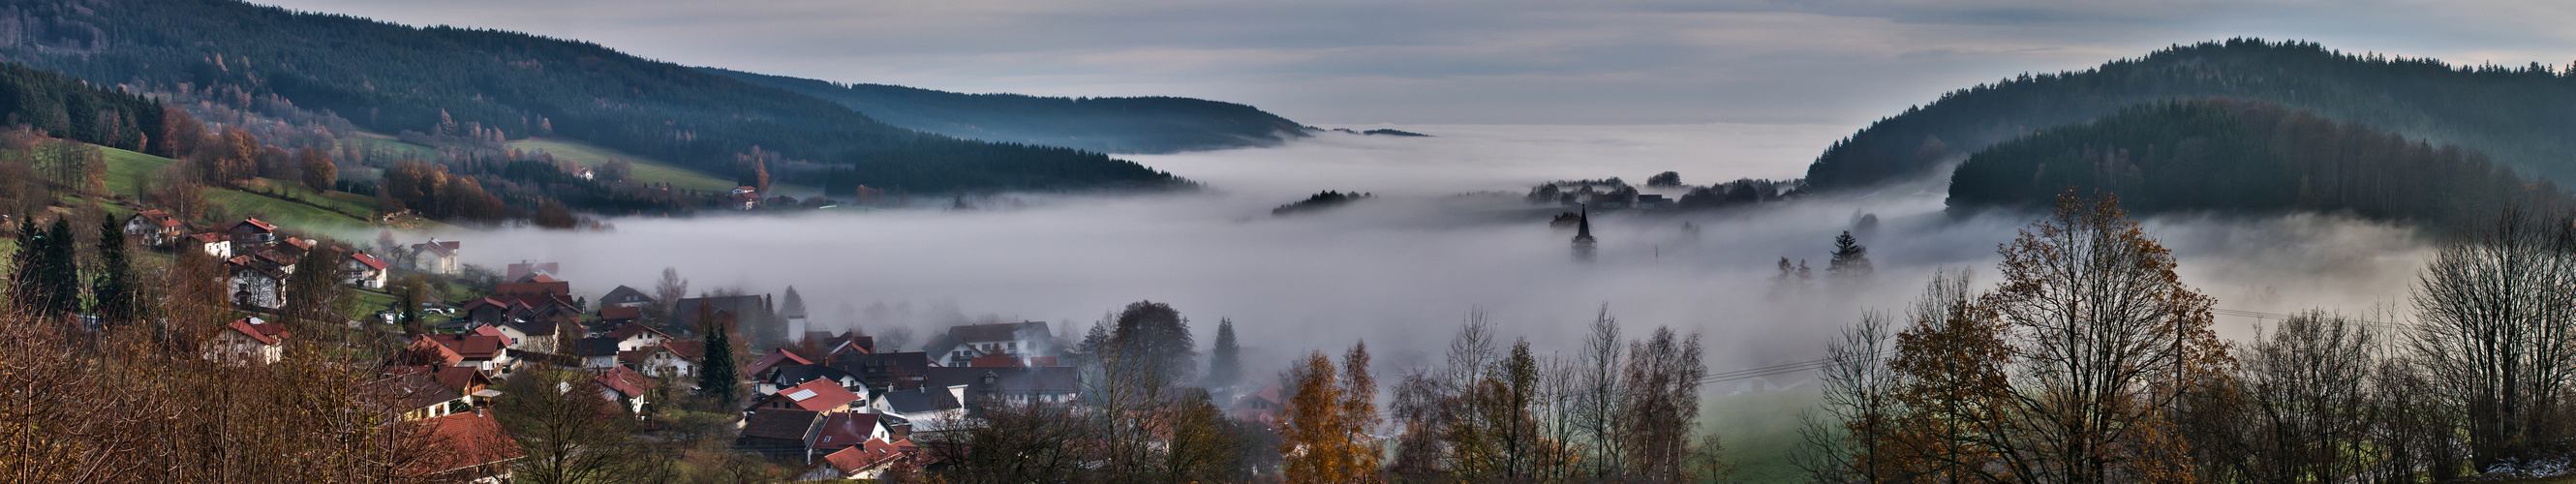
pixel 1583 226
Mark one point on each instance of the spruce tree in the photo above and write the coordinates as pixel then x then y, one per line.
pixel 61 284
pixel 1225 360
pixel 717 374
pixel 1850 258
pixel 114 293
pixel 28 267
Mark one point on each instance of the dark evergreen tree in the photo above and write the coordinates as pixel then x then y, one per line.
pixel 1225 360
pixel 1850 258
pixel 61 271
pixel 27 268
pixel 114 293
pixel 718 374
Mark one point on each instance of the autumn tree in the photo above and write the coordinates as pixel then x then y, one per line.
pixel 317 168
pixel 1599 396
pixel 313 291
pixel 2306 403
pixel 2101 332
pixel 1155 336
pixel 1948 384
pixel 1325 428
pixel 1663 376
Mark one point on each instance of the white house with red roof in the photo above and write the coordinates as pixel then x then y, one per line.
pixel 437 257
pixel 252 231
pixel 155 228
pixel 213 244
pixel 868 460
pixel 481 351
pixel 249 340
pixel 820 395
pixel 363 270
pixel 624 386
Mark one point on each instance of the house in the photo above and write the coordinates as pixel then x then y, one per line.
pixel 831 347
pixel 519 271
pixel 213 244
pixel 775 357
pixel 747 310
pixel 819 395
pixel 781 434
pixel 870 460
pixel 251 231
pixel 473 384
pixel 155 228
pixel 926 408
pixel 363 270
pixel 635 336
pixel 788 376
pixel 669 359
pixel 585 173
pixel 964 343
pixel 625 297
pixel 596 353
pixel 746 197
pixel 624 386
pixel 258 280
pixel 991 385
pixel 614 316
pixel 249 340
pixel 437 257
pixel 480 351
pixel 417 395
pixel 466 447
pixel 887 371
pixel 1262 407
pixel 842 430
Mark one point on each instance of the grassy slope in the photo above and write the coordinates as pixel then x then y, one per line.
pixel 647 170
pixel 1759 431
pixel 343 214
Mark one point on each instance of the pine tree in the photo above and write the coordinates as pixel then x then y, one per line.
pixel 61 284
pixel 718 375
pixel 1803 274
pixel 26 282
pixel 1225 360
pixel 115 290
pixel 1850 258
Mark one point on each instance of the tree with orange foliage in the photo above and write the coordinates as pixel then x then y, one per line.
pixel 1324 432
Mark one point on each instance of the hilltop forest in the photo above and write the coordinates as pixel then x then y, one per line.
pixel 2516 115
pixel 452 83
pixel 1110 125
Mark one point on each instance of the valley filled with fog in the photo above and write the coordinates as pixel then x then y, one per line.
pixel 1445 234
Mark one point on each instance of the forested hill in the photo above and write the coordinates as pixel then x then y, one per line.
pixel 2245 156
pixel 2520 116
pixel 1110 125
pixel 492 84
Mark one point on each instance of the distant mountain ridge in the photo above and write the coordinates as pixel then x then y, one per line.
pixel 490 84
pixel 1155 124
pixel 2519 116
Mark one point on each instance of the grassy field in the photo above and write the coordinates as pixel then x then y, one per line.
pixel 647 170
pixel 339 213
pixel 1760 432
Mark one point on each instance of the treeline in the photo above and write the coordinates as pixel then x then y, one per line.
pixel 2090 361
pixel 470 84
pixel 2224 154
pixel 2509 112
pixel 1623 410
pixel 1109 125
pixel 69 108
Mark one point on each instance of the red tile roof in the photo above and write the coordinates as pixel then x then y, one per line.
pixel 846 429
pixel 255 223
pixel 625 381
pixel 818 395
pixel 774 358
pixel 445 356
pixel 620 312
pixel 369 260
pixel 207 238
pixel 472 347
pixel 488 330
pixel 265 333
pixel 159 217
pixel 464 440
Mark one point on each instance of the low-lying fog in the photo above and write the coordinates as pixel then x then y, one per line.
pixel 1403 269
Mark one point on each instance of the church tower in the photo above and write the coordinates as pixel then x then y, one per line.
pixel 1583 235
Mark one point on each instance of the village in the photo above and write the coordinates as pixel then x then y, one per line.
pixel 836 405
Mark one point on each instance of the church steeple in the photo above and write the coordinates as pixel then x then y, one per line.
pixel 1583 227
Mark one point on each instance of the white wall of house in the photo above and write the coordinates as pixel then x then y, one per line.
pixel 640 341
pixel 236 347
pixel 264 292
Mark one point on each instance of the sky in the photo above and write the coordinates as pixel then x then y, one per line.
pixel 1540 62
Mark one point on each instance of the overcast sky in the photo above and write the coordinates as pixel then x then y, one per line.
pixel 1350 62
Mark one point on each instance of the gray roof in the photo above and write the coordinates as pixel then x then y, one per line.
pixel 781 423
pixel 1008 380
pixel 595 347
pixel 921 400
pixel 625 294
pixel 792 375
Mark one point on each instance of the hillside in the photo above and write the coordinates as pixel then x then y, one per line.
pixel 483 84
pixel 1108 125
pixel 2518 116
pixel 339 214
pixel 2244 156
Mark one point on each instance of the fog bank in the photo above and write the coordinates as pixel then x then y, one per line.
pixel 1402 269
